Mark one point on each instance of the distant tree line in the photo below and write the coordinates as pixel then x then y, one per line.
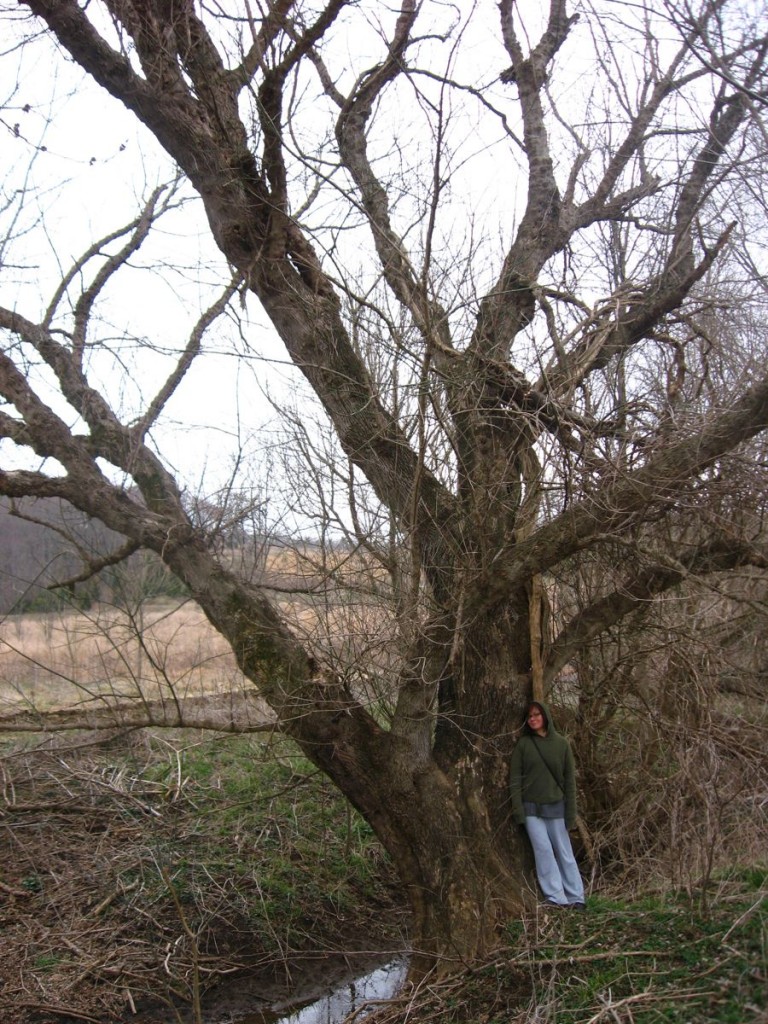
pixel 44 544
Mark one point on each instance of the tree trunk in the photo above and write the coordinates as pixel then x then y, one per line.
pixel 436 795
pixel 442 815
pixel 461 865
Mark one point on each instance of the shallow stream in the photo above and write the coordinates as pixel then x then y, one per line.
pixel 311 1000
pixel 333 1005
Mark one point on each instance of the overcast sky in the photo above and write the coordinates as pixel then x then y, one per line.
pixel 76 165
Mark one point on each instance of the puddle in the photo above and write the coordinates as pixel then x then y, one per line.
pixel 325 1000
pixel 334 1004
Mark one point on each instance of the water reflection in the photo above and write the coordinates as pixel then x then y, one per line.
pixel 334 1005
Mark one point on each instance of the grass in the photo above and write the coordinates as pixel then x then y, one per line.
pixel 662 959
pixel 149 866
pixel 152 870
pixel 270 832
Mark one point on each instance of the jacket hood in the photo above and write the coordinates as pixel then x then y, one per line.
pixel 544 710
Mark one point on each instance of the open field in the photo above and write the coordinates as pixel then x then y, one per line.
pixel 52 661
pixel 165 652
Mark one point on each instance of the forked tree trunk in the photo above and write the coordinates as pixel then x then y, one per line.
pixel 442 814
pixel 462 866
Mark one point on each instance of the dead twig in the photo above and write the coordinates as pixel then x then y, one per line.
pixel 110 899
pixel 196 1004
pixel 645 997
pixel 746 915
pixel 591 957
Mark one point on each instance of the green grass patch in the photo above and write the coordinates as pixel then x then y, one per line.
pixel 664 959
pixel 255 823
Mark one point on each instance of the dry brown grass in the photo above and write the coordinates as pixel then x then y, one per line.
pixel 60 660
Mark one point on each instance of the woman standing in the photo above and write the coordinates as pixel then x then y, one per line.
pixel 543 792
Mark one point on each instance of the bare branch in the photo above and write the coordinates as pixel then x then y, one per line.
pixel 656 485
pixel 717 555
pixel 140 429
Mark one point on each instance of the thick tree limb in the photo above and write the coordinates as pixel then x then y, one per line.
pixel 716 555
pixel 655 486
pixel 210 144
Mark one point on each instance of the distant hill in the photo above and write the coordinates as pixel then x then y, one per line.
pixel 46 540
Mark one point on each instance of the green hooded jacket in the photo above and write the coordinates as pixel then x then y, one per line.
pixel 542 771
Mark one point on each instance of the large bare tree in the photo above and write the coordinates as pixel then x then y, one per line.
pixel 518 387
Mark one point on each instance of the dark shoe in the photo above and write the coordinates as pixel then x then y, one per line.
pixel 558 906
pixel 579 906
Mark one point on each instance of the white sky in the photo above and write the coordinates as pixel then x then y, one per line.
pixel 84 165
pixel 81 166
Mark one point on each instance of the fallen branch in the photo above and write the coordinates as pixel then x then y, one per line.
pixel 11 891
pixel 110 899
pixel 590 957
pixel 645 997
pixel 63 1011
pixel 239 712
